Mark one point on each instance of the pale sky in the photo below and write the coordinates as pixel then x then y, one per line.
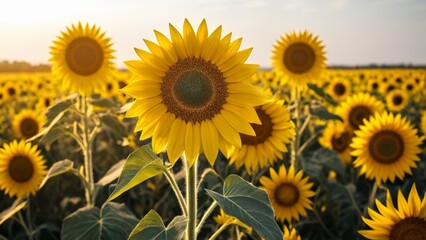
pixel 353 31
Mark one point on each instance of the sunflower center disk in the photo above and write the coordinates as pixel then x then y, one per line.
pixel 286 194
pixel 21 168
pixel 339 89
pixel 84 56
pixel 341 142
pixel 263 131
pixel 397 100
pixel 194 90
pixel 386 147
pixel 299 58
pixel 411 228
pixel 357 115
pixel 29 127
pixel 11 91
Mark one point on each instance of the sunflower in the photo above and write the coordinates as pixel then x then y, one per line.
pixel 289 193
pixel 396 100
pixel 224 218
pixel 423 123
pixel 290 234
pixel 339 89
pixel 27 123
pixel 22 169
pixel 337 136
pixel 299 57
pixel 11 90
pixel 386 146
pixel 408 221
pixel 271 138
pixel 373 85
pixel 82 58
pixel 193 93
pixel 359 107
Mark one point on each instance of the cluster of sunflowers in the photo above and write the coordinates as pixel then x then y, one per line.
pixel 296 152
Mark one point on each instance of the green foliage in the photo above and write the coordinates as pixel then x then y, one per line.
pixel 320 92
pixel 58 168
pixel 112 221
pixel 152 227
pixel 112 123
pixel 249 204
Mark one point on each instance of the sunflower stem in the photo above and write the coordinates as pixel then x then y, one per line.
pixel 221 229
pixel 371 198
pixel 206 216
pixel 191 198
pixel 27 230
pixel 177 191
pixel 296 142
pixel 88 162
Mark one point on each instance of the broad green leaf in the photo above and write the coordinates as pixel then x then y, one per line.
pixel 152 227
pixel 114 125
pixel 46 130
pixel 58 168
pixel 104 102
pixel 60 107
pixel 250 205
pixel 141 165
pixel 324 114
pixel 320 92
pixel 112 221
pixel 51 136
pixel 9 212
pixel 112 174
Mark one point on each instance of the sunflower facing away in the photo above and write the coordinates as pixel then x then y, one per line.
pixel 386 146
pixel 358 107
pixel 289 193
pixel 396 100
pixel 193 93
pixel 290 234
pixel 27 123
pixel 299 57
pixel 82 58
pixel 337 136
pixel 407 221
pixel 22 168
pixel 271 138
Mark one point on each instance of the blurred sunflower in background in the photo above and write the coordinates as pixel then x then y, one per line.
pixel 82 59
pixel 290 234
pixel 338 136
pixel 386 147
pixel 299 57
pixel 193 94
pixel 358 107
pixel 423 122
pixel 406 221
pixel 339 89
pixel 27 123
pixel 288 192
pixel 22 168
pixel 272 135
pixel 396 100
pixel 11 90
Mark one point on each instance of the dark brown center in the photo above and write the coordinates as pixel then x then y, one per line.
pixel 287 194
pixel 262 131
pixel 374 86
pixel 21 168
pixel 412 228
pixel 339 89
pixel 84 56
pixel 341 142
pixel 397 100
pixel 299 58
pixel 357 115
pixel 386 147
pixel 11 91
pixel 28 127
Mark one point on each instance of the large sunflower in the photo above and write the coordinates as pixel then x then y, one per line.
pixel 358 107
pixel 337 136
pixel 386 146
pixel 27 123
pixel 271 138
pixel 396 100
pixel 193 93
pixel 289 193
pixel 21 169
pixel 407 221
pixel 299 57
pixel 82 58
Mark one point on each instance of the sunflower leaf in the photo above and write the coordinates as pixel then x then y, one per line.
pixel 9 212
pixel 112 221
pixel 324 114
pixel 115 125
pixel 141 165
pixel 58 168
pixel 105 103
pixel 249 204
pixel 320 92
pixel 152 227
pixel 60 107
pixel 112 174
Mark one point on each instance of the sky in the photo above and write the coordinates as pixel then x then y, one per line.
pixel 354 32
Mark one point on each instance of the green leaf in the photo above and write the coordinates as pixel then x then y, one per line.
pixel 152 227
pixel 112 221
pixel 320 92
pixel 46 130
pixel 112 174
pixel 58 168
pixel 9 212
pixel 141 165
pixel 52 135
pixel 329 159
pixel 250 205
pixel 324 114
pixel 104 103
pixel 60 107
pixel 114 125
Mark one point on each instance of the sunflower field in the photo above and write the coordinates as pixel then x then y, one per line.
pixel 192 142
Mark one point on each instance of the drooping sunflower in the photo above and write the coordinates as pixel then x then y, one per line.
pixel 396 100
pixel 270 141
pixel 406 221
pixel 338 136
pixel 299 57
pixel 82 58
pixel 289 193
pixel 386 146
pixel 358 107
pixel 27 123
pixel 22 168
pixel 193 93
pixel 339 89
pixel 290 234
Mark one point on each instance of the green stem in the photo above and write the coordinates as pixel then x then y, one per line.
pixel 177 191
pixel 221 229
pixel 27 230
pixel 88 162
pixel 296 142
pixel 206 216
pixel 371 198
pixel 191 198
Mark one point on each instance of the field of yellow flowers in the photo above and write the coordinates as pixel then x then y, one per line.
pixel 192 142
